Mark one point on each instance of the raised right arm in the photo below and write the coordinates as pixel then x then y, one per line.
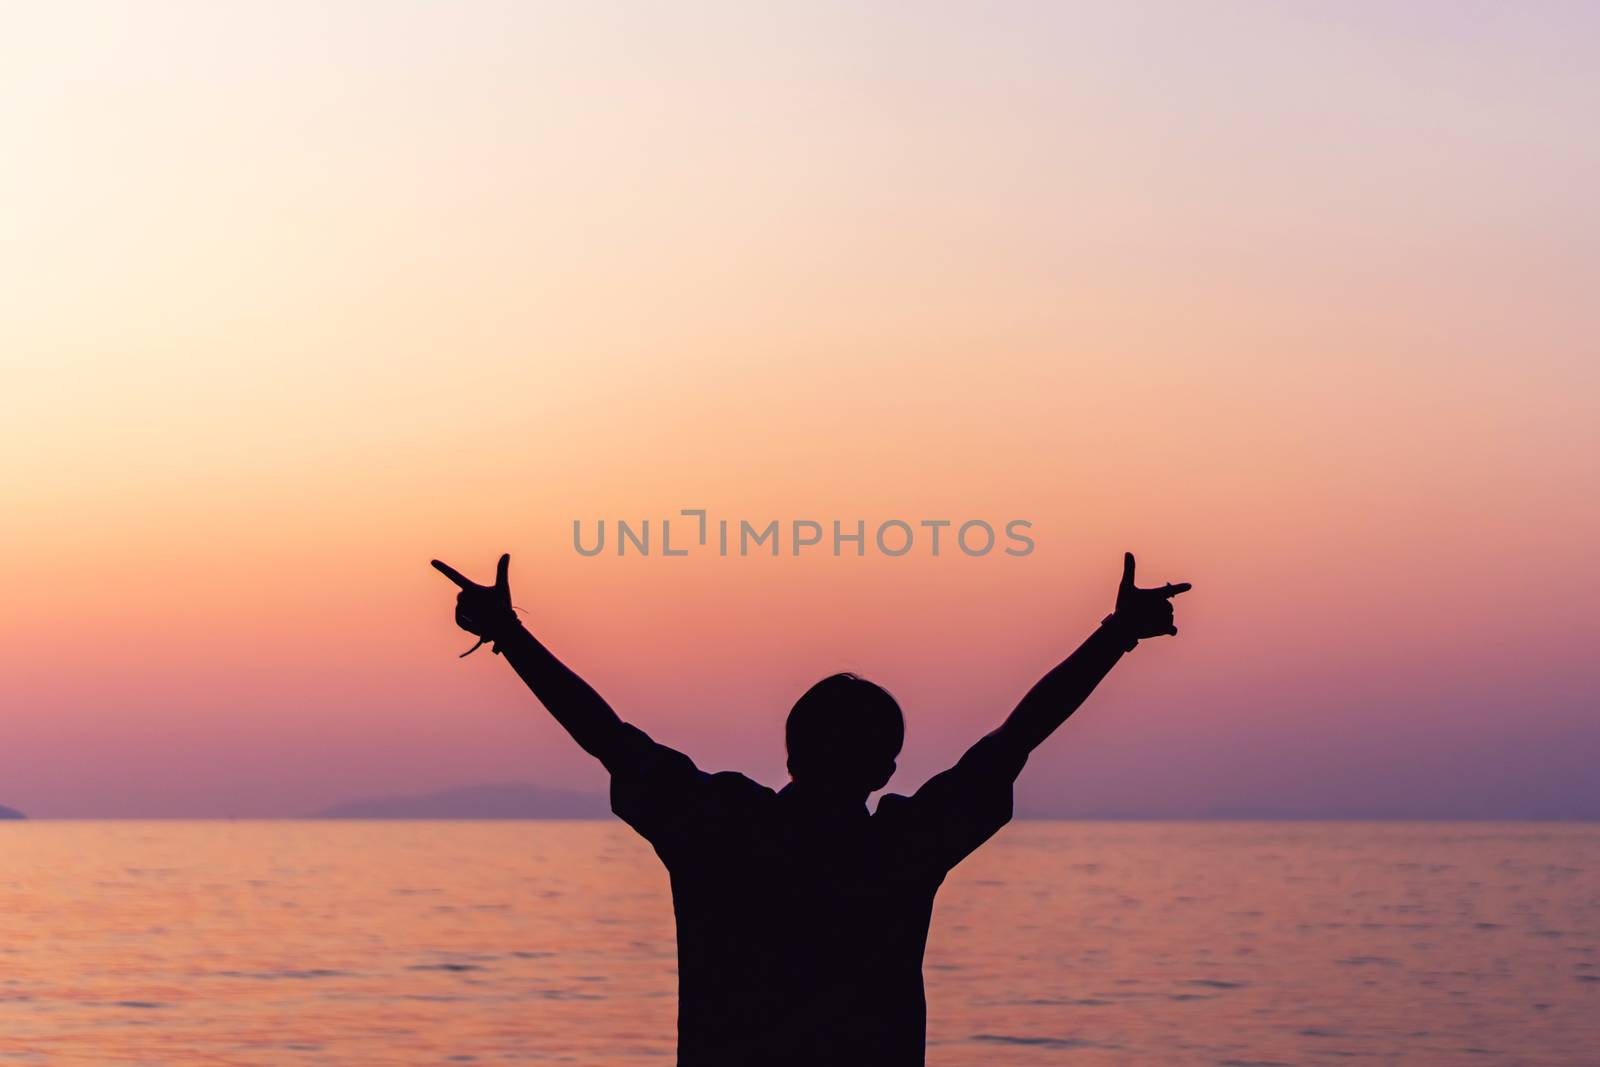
pixel 486 612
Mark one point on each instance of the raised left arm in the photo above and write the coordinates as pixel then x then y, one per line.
pixel 1139 614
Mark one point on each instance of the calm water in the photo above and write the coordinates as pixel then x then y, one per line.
pixel 1086 943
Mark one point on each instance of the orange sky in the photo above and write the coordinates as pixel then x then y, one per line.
pixel 1297 305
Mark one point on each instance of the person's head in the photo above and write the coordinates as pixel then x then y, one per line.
pixel 844 734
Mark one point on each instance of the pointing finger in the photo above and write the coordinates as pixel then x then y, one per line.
pixel 1127 570
pixel 502 572
pixel 1170 590
pixel 452 574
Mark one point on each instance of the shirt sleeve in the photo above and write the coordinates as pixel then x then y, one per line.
pixel 959 809
pixel 662 794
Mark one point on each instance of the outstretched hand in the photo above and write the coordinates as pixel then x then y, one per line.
pixel 1145 612
pixel 483 610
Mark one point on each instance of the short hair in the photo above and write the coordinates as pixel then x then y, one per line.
pixel 844 727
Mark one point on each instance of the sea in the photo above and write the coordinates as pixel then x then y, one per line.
pixel 365 944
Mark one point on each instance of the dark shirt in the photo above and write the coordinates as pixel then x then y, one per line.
pixel 801 926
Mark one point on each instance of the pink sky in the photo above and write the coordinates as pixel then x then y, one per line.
pixel 1299 306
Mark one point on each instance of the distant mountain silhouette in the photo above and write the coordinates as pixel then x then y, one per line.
pixel 514 800
pixel 10 813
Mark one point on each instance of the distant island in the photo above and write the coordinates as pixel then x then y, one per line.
pixel 515 800
pixel 10 813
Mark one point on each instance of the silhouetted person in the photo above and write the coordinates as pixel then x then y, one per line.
pixel 802 917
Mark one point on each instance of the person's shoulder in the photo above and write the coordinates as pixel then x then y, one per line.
pixel 890 805
pixel 736 782
pixel 733 783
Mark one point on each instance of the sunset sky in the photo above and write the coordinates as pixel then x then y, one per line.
pixel 1299 303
